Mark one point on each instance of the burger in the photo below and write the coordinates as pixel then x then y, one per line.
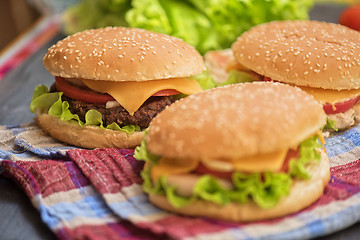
pixel 321 58
pixel 242 152
pixel 110 83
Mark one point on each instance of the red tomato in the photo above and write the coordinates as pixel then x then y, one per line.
pixel 267 79
pixel 88 95
pixel 202 169
pixel 350 17
pixel 81 94
pixel 290 154
pixel 166 92
pixel 340 107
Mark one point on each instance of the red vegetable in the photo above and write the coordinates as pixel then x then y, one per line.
pixel 350 17
pixel 81 94
pixel 166 92
pixel 88 95
pixel 340 107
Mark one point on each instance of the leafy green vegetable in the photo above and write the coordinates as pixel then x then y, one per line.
pixel 170 191
pixel 150 15
pixel 51 103
pixel 205 24
pixel 330 124
pixel 265 189
pixel 95 14
pixel 141 153
pixel 307 153
pixel 205 80
pixel 208 188
pixel 237 77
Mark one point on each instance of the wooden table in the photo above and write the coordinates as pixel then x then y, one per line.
pixel 18 218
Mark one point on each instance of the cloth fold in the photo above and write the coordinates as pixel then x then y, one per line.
pixel 97 194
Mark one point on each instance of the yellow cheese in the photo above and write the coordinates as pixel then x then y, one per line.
pixel 331 96
pixel 266 162
pixel 258 163
pixel 321 137
pixel 131 95
pixel 167 166
pixel 321 95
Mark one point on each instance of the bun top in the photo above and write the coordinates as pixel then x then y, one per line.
pixel 122 54
pixel 305 53
pixel 235 121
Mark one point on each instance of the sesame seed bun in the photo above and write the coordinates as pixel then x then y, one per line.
pixel 235 121
pixel 304 53
pixel 122 54
pixel 302 194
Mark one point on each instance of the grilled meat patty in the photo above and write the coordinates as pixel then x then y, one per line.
pixel 141 117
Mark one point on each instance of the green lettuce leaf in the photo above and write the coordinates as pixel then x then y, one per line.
pixel 148 185
pixel 170 191
pixel 148 14
pixel 237 77
pixel 88 14
pixel 308 152
pixel 51 103
pixel 142 154
pixel 208 188
pixel 265 189
pixel 205 24
pixel 205 80
pixel 330 125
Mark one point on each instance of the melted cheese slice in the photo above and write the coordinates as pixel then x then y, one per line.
pixel 321 95
pixel 167 166
pixel 263 162
pixel 131 95
pixel 331 96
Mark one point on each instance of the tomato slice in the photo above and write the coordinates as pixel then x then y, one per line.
pixel 88 95
pixel 292 153
pixel 267 79
pixel 350 17
pixel 81 94
pixel 340 107
pixel 166 92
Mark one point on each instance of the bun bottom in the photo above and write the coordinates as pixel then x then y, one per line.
pixel 87 136
pixel 303 193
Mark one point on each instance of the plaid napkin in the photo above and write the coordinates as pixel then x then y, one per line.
pixel 96 194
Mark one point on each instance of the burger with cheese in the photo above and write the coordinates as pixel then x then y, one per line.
pixel 321 58
pixel 241 152
pixel 110 83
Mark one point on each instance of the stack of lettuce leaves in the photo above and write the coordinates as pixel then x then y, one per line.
pixel 205 24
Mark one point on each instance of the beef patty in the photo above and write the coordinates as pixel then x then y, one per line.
pixel 119 115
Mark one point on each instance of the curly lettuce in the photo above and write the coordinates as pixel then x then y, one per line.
pixel 44 101
pixel 330 125
pixel 205 24
pixel 236 77
pixel 265 189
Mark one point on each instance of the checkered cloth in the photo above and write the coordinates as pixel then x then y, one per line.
pixel 96 194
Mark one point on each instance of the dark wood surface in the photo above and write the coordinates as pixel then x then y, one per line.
pixel 18 218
